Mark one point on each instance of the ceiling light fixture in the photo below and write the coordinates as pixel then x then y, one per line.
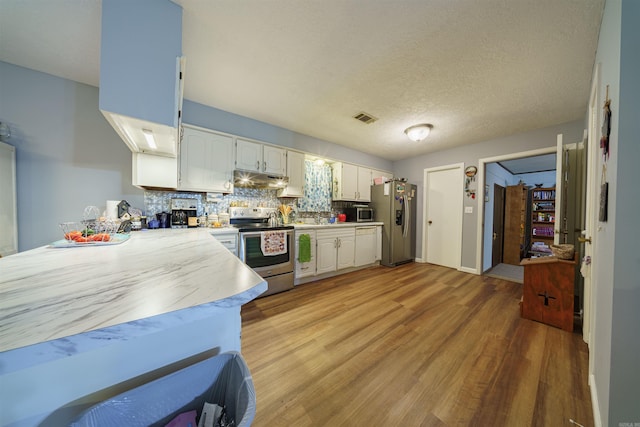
pixel 148 135
pixel 418 132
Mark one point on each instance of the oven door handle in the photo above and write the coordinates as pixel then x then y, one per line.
pixel 245 234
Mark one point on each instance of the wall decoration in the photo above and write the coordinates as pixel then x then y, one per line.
pixel 604 145
pixel 470 172
pixel 606 127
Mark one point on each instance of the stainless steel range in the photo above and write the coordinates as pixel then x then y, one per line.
pixel 265 246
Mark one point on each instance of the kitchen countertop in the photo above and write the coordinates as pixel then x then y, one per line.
pixel 336 225
pixel 51 293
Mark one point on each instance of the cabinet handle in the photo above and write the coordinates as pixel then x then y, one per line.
pixel 339 242
pixel 264 166
pixel 304 268
pixel 257 165
pixel 335 243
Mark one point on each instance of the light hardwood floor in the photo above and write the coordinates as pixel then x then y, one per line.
pixel 415 345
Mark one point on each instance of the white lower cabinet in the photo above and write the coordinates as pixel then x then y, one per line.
pixel 335 249
pixel 229 240
pixel 365 245
pixel 378 242
pixel 306 269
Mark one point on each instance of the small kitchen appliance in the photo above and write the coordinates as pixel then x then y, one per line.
pixel 183 213
pixel 359 214
pixel 394 204
pixel 265 246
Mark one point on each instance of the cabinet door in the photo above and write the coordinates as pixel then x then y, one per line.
pixel 378 243
pixel 326 249
pixel 274 160
pixel 206 161
pixel 345 181
pixel 346 251
pixel 380 174
pixel 295 172
pixel 364 185
pixel 305 269
pixel 248 155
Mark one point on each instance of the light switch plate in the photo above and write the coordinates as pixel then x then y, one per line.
pixel 468 209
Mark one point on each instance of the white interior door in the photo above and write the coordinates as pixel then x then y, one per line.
pixel 442 226
pixel 588 234
pixel 561 212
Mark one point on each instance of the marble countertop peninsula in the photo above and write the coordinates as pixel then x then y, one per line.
pixel 48 294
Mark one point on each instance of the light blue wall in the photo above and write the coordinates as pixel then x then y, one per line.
pixel 212 118
pixel 67 155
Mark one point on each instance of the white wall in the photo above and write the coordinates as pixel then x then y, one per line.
pixel 67 155
pixel 413 168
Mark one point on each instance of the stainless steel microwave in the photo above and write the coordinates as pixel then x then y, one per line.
pixel 359 214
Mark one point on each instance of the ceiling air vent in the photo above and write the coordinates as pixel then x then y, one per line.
pixel 365 118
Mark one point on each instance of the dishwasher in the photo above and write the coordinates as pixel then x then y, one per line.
pixel 365 245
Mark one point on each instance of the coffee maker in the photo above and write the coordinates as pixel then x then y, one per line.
pixel 181 212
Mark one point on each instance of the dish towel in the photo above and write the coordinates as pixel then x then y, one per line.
pixel 273 243
pixel 304 248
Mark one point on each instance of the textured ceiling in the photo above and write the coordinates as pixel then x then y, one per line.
pixel 475 69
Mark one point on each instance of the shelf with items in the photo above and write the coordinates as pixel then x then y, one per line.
pixel 543 210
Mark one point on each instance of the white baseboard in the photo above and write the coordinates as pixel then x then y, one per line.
pixel 420 260
pixel 469 270
pixel 597 420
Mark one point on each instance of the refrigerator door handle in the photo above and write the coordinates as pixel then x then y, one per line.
pixel 406 215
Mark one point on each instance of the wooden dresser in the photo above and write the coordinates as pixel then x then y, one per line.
pixel 548 290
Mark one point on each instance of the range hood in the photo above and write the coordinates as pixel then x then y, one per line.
pixel 259 180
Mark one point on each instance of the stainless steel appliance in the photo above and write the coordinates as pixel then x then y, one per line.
pixel 181 212
pixel 254 225
pixel 359 214
pixel 395 205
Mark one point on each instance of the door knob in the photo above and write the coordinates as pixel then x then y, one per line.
pixel 495 236
pixel 584 239
pixel 430 222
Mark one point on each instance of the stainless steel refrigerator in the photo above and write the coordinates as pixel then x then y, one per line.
pixel 394 204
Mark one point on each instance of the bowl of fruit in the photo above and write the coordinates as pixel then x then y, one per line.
pixel 87 232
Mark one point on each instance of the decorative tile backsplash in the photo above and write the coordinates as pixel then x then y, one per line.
pixel 316 200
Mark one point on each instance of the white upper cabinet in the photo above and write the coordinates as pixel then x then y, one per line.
pixel 140 72
pixel 388 176
pixel 257 157
pixel 206 161
pixel 351 182
pixel 295 172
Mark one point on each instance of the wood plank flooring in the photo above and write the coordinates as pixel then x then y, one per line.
pixel 415 345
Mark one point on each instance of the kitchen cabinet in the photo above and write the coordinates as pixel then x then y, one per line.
pixel 206 161
pixel 295 172
pixel 351 182
pixel 228 239
pixel 152 171
pixel 378 242
pixel 388 176
pixel 335 249
pixel 141 78
pixel 258 157
pixel 306 269
pixel 365 246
